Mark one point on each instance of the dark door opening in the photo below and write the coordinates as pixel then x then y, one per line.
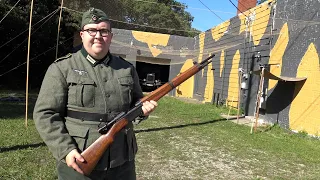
pixel 152 76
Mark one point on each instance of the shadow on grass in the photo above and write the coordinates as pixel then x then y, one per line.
pixel 20 147
pixel 13 110
pixel 182 126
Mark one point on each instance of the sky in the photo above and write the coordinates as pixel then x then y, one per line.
pixel 204 19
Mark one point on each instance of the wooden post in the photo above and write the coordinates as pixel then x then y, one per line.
pixel 239 94
pixel 230 107
pixel 28 59
pixel 58 34
pixel 258 100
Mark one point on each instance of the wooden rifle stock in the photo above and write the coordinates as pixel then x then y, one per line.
pixel 95 151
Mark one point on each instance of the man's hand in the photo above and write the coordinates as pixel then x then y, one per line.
pixel 71 160
pixel 148 107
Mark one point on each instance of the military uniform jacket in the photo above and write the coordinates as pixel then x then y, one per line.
pixel 79 83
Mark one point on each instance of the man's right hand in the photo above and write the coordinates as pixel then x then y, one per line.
pixel 71 160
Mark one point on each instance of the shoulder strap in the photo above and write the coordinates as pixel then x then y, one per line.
pixel 63 57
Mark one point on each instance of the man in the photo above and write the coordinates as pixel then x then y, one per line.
pixel 82 91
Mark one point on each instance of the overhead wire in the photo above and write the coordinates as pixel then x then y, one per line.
pixel 114 20
pixel 166 52
pixel 50 17
pixel 216 49
pixel 205 51
pixel 211 10
pixel 35 57
pixel 58 33
pixel 244 6
pixel 226 44
pixel 9 11
pixel 238 8
pixel 185 52
pixel 25 39
pixel 187 7
pixel 28 28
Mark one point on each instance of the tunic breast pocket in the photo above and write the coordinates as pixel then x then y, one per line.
pixel 126 86
pixel 81 91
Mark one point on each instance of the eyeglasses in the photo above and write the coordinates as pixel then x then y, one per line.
pixel 93 32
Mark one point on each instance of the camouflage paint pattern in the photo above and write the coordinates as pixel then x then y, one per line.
pixel 282 35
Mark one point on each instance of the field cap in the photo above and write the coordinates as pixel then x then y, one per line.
pixel 93 16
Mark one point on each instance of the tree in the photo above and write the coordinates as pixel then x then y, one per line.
pixel 14 30
pixel 159 16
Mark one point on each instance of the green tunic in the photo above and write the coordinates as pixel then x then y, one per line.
pixel 79 83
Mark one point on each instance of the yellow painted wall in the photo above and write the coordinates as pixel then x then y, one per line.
pixel 221 63
pixel 261 20
pixel 208 93
pixel 152 39
pixel 303 113
pixel 305 108
pixel 243 24
pixel 185 89
pixel 233 89
pixel 201 49
pixel 201 46
pixel 277 53
pixel 218 31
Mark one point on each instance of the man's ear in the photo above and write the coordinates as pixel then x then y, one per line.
pixel 81 34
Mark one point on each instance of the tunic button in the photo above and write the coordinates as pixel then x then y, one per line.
pixel 108 95
pixel 100 119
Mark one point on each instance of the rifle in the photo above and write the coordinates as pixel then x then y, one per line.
pixel 95 151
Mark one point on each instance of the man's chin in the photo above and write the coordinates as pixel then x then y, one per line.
pixel 97 46
pixel 100 52
pixel 98 49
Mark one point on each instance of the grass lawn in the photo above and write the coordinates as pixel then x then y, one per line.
pixel 179 141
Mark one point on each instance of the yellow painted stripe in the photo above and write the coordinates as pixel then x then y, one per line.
pixel 260 22
pixel 233 89
pixel 277 53
pixel 186 88
pixel 305 108
pixel 218 31
pixel 152 39
pixel 208 93
pixel 221 63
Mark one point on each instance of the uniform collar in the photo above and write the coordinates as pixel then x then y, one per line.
pixel 94 61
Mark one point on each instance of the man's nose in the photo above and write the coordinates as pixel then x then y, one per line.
pixel 98 34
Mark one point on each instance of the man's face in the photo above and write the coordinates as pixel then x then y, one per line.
pixel 96 39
